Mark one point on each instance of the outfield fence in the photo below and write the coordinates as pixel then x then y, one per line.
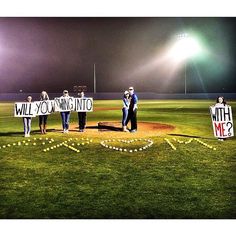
pixel 115 95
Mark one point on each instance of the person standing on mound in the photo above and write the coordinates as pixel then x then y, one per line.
pixel 43 118
pixel 65 115
pixel 132 113
pixel 82 115
pixel 27 121
pixel 125 110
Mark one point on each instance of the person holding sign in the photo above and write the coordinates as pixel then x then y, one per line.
pixel 125 110
pixel 220 101
pixel 43 118
pixel 132 114
pixel 82 115
pixel 27 120
pixel 222 119
pixel 65 115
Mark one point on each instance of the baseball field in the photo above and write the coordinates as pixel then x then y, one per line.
pixel 173 167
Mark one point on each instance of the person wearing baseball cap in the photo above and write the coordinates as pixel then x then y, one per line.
pixel 132 113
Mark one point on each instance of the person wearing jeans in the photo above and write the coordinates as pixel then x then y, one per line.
pixel 27 121
pixel 125 110
pixel 65 115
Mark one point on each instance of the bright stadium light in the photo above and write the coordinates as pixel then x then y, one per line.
pixel 184 48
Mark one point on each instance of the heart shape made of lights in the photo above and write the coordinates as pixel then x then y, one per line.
pixel 109 144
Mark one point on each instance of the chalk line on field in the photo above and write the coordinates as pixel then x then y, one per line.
pixel 1 117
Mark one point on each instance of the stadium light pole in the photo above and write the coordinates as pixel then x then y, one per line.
pixel 185 77
pixel 184 48
pixel 94 78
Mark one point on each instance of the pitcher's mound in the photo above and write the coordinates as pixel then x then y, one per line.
pixel 142 126
pixel 114 129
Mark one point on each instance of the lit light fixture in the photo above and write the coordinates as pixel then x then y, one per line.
pixel 182 49
pixel 185 47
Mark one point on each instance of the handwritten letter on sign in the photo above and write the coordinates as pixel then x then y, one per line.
pixel 222 121
pixel 24 109
pixel 44 107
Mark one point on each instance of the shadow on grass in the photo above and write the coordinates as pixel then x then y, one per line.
pixel 96 127
pixel 20 133
pixel 191 136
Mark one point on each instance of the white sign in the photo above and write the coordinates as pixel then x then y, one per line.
pixel 222 121
pixel 47 107
pixel 83 104
pixel 24 109
pixel 64 104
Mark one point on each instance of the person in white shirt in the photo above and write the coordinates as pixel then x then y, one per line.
pixel 27 121
pixel 65 115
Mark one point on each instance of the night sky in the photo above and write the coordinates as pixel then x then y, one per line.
pixel 53 54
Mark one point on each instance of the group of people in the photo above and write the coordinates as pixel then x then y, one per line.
pixel 129 110
pixel 65 116
pixel 130 107
pixel 129 113
pixel 42 118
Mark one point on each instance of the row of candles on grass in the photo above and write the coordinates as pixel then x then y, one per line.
pixel 187 142
pixel 105 143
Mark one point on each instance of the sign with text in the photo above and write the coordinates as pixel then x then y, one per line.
pixel 64 104
pixel 47 107
pixel 83 104
pixel 222 121
pixel 73 104
pixel 24 109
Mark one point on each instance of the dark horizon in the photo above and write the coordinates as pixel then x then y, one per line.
pixel 53 54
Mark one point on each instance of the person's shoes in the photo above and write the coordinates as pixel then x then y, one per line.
pixel 44 129
pixel 41 129
pixel 26 135
pixel 125 129
pixel 66 131
pixel 221 139
pixel 133 131
pixel 81 130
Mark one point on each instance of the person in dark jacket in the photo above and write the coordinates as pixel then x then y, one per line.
pixel 82 116
pixel 132 113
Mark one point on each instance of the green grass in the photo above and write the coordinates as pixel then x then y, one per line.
pixel 191 182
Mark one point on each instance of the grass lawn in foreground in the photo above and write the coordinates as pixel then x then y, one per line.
pixel 190 182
